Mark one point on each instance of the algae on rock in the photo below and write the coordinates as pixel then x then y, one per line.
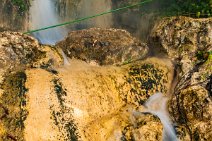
pixel 13 102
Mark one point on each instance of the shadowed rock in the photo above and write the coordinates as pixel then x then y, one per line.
pixel 188 42
pixel 105 46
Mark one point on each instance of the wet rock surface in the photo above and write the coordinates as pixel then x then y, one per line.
pixel 72 96
pixel 51 102
pixel 19 52
pixel 104 46
pixel 40 99
pixel 188 42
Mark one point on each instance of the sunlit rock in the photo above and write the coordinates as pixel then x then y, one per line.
pixel 86 102
pixel 45 100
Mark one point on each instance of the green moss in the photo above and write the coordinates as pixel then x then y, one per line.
pixel 202 56
pixel 22 4
pixel 141 81
pixel 196 135
pixel 14 102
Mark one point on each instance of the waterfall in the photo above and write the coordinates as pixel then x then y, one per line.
pixel 157 105
pixel 43 14
pixel 88 8
pixel 74 9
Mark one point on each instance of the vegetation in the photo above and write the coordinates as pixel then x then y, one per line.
pixel 191 8
pixel 196 8
pixel 22 4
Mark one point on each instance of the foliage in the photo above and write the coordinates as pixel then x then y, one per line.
pixel 191 8
pixel 22 4
pixel 196 8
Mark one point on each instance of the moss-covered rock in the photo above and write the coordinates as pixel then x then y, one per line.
pixel 88 102
pixel 17 53
pixel 12 105
pixel 145 78
pixel 105 46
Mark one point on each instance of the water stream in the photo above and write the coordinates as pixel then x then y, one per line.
pixel 43 14
pixel 157 105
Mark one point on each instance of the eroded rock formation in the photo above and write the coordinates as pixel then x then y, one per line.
pixel 81 101
pixel 188 42
pixel 108 79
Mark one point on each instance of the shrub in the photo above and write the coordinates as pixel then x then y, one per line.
pixel 196 8
pixel 191 8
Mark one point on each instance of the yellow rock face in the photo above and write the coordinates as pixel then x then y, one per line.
pixel 88 102
pixel 43 100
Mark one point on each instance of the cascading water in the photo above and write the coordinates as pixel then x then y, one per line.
pixel 42 15
pixel 157 105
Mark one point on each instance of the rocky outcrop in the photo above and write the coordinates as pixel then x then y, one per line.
pixel 87 102
pixel 19 52
pixel 181 37
pixel 100 93
pixel 188 42
pixel 81 101
pixel 104 46
pixel 13 17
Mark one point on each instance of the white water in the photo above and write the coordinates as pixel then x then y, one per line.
pixel 42 15
pixel 157 105
pixel 65 58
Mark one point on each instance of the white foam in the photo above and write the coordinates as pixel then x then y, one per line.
pixel 43 14
pixel 157 105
